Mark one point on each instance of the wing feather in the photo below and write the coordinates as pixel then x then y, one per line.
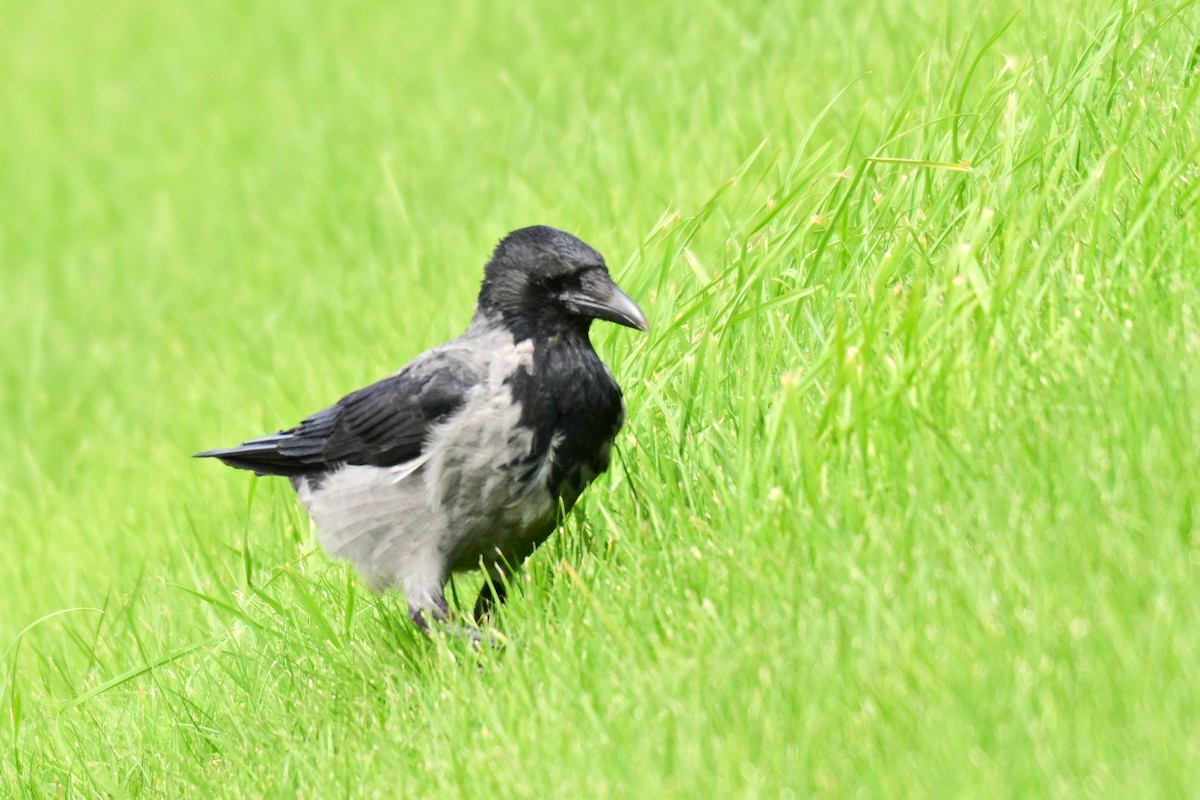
pixel 383 424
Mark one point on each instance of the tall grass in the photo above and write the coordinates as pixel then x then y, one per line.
pixel 906 503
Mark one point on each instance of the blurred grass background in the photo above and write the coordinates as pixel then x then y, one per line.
pixel 906 502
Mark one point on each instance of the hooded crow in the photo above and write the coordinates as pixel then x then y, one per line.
pixel 468 457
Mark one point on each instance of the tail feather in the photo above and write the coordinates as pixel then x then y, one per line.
pixel 261 456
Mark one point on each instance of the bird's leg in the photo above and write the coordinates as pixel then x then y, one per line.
pixel 435 609
pixel 493 593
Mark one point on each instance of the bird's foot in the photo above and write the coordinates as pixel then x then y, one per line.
pixel 438 619
pixel 476 636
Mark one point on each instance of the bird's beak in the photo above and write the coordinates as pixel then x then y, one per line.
pixel 610 304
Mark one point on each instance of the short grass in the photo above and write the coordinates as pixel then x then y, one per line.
pixel 907 501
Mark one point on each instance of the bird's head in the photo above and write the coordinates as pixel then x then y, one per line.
pixel 549 277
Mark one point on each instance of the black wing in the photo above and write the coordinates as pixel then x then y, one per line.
pixel 384 424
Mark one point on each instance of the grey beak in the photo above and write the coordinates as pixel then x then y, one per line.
pixel 615 306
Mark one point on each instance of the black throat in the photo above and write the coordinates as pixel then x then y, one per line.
pixel 569 399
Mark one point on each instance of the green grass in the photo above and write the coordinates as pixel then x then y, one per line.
pixel 907 501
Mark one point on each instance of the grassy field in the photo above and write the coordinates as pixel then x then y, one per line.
pixel 907 501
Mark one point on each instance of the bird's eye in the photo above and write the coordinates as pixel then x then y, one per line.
pixel 554 283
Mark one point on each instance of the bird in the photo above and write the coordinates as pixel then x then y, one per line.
pixel 471 455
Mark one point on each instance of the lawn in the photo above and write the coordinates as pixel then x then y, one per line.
pixel 907 501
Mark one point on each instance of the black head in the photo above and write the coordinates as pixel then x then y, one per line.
pixel 546 276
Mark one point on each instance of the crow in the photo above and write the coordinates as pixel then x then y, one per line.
pixel 469 457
